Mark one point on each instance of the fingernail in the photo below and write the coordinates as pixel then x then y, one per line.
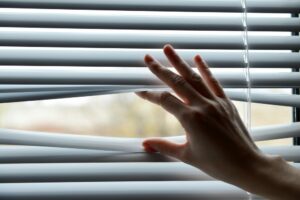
pixel 149 149
pixel 149 58
pixel 152 63
pixel 168 49
pixel 168 46
pixel 198 58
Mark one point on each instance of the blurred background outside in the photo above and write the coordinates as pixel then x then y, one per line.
pixel 121 115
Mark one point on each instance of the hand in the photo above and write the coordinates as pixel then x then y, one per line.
pixel 216 137
pixel 217 141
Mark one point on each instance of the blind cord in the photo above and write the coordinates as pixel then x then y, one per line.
pixel 247 64
pixel 247 70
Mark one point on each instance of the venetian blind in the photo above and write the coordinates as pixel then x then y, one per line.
pixel 68 48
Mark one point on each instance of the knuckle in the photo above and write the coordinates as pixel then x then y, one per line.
pixel 192 114
pixel 155 68
pixel 178 80
pixel 195 114
pixel 212 107
pixel 183 114
pixel 151 63
pixel 165 97
pixel 219 110
pixel 196 77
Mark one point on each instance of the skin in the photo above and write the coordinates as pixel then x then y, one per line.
pixel 218 142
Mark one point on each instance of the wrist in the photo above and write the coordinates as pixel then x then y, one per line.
pixel 272 177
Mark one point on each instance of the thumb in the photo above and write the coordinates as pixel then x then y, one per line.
pixel 163 146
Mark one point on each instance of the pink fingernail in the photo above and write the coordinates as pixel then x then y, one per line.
pixel 149 59
pixel 149 149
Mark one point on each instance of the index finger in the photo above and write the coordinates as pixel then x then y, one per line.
pixel 176 82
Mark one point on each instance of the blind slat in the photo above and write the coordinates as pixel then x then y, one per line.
pixel 46 95
pixel 17 137
pixel 139 39
pixel 265 98
pixel 136 77
pixel 174 190
pixel 134 57
pixel 276 132
pixel 289 153
pixel 239 95
pixel 62 172
pixel 42 93
pixel 140 20
pixel 280 6
pixel 126 171
pixel 38 154
pixel 25 92
pixel 15 88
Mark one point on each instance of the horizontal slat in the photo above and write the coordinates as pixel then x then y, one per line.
pixel 235 94
pixel 134 57
pixel 17 137
pixel 276 132
pixel 18 93
pixel 175 190
pixel 273 42
pixel 265 98
pixel 62 172
pixel 240 95
pixel 35 96
pixel 135 76
pixel 79 172
pixel 140 20
pixel 139 39
pixel 39 154
pixel 8 136
pixel 289 153
pixel 56 92
pixel 289 6
pixel 15 88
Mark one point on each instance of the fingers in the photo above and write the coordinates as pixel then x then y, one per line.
pixel 164 147
pixel 169 102
pixel 211 81
pixel 187 73
pixel 176 82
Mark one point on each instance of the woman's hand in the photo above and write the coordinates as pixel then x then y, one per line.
pixel 217 141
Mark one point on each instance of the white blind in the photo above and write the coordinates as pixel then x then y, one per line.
pixel 69 48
